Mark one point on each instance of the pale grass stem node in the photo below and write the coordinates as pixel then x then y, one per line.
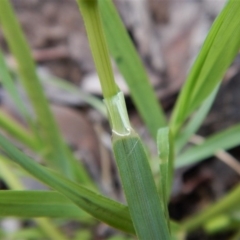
pixel 118 115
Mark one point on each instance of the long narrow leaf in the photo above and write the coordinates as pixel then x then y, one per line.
pixel 56 150
pixel 131 67
pixel 12 181
pixel 100 207
pixel 136 176
pixel 163 153
pixel 15 130
pixel 223 140
pixel 36 204
pixel 10 126
pixel 30 204
pixel 8 84
pixel 196 121
pixel 163 144
pixel 140 190
pixel 219 49
pixel 8 176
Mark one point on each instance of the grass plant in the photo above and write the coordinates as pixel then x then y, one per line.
pixel 73 193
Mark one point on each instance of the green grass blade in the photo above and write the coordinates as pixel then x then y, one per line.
pixel 218 51
pixel 7 123
pixel 165 171
pixel 164 190
pixel 100 207
pixel 195 122
pixel 139 187
pixel 31 204
pixel 225 140
pixel 222 223
pixel 7 175
pixel 51 138
pixel 131 67
pixel 28 204
pixel 11 180
pixel 227 204
pixel 8 84
pixel 136 176
pixel 18 132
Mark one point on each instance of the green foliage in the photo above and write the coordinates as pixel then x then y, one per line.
pixel 163 142
pixel 132 161
pixel 225 139
pixel 50 138
pixel 131 67
pixel 147 212
pixel 217 53
pixel 195 122
pixel 102 208
pixel 8 84
pixel 50 204
pixel 139 187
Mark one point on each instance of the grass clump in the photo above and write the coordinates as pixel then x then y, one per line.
pixel 74 193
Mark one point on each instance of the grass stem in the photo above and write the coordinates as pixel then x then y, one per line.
pixel 92 20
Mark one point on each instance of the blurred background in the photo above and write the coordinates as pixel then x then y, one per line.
pixel 168 35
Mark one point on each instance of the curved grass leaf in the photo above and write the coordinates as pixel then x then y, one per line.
pixel 136 176
pixel 223 140
pixel 166 153
pixel 36 204
pixel 7 175
pixel 139 187
pixel 195 122
pixel 56 154
pixel 163 153
pixel 165 171
pixel 8 84
pixel 100 207
pixel 7 123
pixel 31 204
pixel 131 67
pixel 11 180
pixel 218 51
pixel 15 130
pixel 222 223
